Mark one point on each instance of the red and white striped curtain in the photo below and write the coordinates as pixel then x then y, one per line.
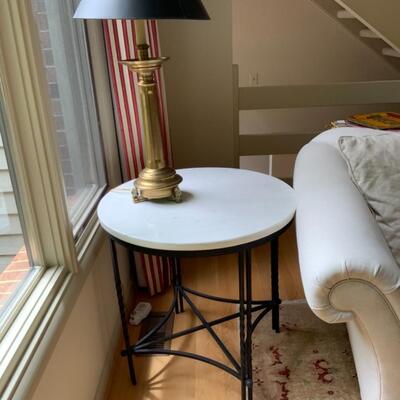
pixel 120 41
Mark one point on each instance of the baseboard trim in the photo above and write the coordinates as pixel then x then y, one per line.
pixel 114 351
pixel 104 387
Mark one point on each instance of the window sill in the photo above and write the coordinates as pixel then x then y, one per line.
pixel 85 241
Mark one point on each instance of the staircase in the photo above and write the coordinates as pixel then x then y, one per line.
pixel 358 26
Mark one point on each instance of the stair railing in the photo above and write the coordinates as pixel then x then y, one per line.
pixel 300 96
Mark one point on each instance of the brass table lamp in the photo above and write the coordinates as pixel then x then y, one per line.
pixel 157 180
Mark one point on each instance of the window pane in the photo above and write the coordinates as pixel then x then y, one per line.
pixel 15 267
pixel 67 68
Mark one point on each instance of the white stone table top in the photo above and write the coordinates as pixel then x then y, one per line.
pixel 221 208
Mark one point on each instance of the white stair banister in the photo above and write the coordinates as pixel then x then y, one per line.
pixel 389 52
pixel 344 14
pixel 367 33
pixel 379 16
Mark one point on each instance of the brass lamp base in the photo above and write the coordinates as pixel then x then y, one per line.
pixel 156 184
pixel 157 181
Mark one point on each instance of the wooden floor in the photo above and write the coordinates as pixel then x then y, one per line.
pixel 171 378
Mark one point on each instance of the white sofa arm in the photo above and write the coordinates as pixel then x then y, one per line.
pixel 348 271
pixel 338 237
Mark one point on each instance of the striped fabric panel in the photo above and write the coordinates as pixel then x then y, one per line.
pixel 120 42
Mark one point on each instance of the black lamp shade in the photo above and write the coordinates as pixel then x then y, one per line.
pixel 141 9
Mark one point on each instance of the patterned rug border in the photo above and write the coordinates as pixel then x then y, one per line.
pixel 308 360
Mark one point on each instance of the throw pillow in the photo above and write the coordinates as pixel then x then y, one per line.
pixel 374 165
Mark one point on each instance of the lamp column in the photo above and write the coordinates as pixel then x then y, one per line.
pixel 157 180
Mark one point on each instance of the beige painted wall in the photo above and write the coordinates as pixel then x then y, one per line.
pixel 81 357
pixel 199 87
pixel 295 42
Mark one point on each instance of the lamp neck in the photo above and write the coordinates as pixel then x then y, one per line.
pixel 143 51
pixel 141 40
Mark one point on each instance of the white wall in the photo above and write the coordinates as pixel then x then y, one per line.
pixel 199 87
pixel 295 42
pixel 82 355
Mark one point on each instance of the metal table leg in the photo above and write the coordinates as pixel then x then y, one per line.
pixel 275 284
pixel 179 282
pixel 249 327
pixel 177 285
pixel 242 318
pixel 124 321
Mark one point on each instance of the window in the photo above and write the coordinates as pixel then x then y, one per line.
pixel 68 74
pixel 52 171
pixel 16 271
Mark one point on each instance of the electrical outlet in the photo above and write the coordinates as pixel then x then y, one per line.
pixel 254 79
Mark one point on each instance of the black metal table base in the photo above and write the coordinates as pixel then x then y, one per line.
pixel 240 369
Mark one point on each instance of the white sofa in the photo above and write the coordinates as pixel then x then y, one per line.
pixel 349 273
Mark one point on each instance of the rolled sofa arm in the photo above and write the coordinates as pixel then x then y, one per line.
pixel 348 271
pixel 338 237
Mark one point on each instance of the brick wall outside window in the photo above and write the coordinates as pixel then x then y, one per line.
pixel 39 10
pixel 12 276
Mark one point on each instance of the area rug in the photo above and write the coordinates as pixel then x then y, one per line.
pixel 308 360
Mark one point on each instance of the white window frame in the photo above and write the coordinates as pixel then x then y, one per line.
pixel 79 80
pixel 40 183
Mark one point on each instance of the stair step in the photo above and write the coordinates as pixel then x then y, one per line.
pixel 387 51
pixel 344 14
pixel 367 33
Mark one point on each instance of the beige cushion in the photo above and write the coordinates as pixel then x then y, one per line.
pixel 374 165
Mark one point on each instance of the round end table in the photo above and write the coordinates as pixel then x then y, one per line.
pixel 223 211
